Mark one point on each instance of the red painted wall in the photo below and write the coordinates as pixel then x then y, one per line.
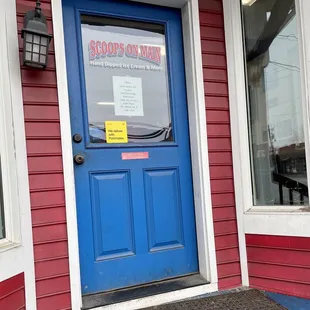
pixel 219 141
pixel 279 264
pixel 12 293
pixel 45 176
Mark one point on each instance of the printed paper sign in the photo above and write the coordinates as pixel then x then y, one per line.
pixel 135 155
pixel 127 96
pixel 116 132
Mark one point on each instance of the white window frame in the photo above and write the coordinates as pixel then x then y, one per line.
pixel 7 149
pixel 268 220
pixel 16 249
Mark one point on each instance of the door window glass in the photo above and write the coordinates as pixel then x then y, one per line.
pixel 275 107
pixel 125 67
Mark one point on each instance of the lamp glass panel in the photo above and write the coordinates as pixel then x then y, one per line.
pixel 29 37
pixel 43 50
pixel 35 57
pixel 36 48
pixel 43 41
pixel 36 39
pixel 28 55
pixel 42 59
pixel 28 47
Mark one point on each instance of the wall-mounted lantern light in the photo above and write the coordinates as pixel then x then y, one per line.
pixel 36 38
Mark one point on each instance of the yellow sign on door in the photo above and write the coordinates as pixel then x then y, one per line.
pixel 116 132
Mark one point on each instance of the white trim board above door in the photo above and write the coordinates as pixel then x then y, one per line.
pixel 199 156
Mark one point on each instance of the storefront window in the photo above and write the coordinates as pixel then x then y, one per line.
pixel 275 109
pixel 2 227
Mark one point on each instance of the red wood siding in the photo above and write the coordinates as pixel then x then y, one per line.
pixel 45 176
pixel 279 264
pixel 220 152
pixel 12 293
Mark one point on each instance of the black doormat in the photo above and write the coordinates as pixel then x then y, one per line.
pixel 245 300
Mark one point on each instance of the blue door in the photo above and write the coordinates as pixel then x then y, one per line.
pixel 131 148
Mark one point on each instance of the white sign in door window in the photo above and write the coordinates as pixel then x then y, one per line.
pixel 127 96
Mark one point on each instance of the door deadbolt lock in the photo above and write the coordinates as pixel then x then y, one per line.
pixel 79 159
pixel 77 138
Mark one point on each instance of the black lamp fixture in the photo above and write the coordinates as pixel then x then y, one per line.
pixel 36 38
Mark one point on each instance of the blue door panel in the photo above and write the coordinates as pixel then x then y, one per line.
pixel 113 227
pixel 136 218
pixel 163 209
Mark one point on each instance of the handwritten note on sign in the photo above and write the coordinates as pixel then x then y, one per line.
pixel 116 132
pixel 127 96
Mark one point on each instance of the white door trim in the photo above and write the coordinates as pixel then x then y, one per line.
pixel 199 154
pixel 66 143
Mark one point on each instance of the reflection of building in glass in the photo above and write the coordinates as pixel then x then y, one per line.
pixel 282 85
pixel 276 122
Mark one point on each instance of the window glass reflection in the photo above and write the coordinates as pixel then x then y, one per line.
pixel 2 226
pixel 126 79
pixel 275 109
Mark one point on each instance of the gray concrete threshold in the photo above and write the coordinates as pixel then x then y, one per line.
pixel 243 300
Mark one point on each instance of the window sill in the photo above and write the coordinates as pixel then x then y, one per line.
pixel 6 245
pixel 278 222
pixel 12 258
pixel 302 210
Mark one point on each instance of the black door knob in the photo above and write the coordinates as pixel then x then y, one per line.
pixel 77 138
pixel 79 159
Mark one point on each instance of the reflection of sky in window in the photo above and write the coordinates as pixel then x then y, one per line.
pixel 282 82
pixel 2 224
pixel 99 80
